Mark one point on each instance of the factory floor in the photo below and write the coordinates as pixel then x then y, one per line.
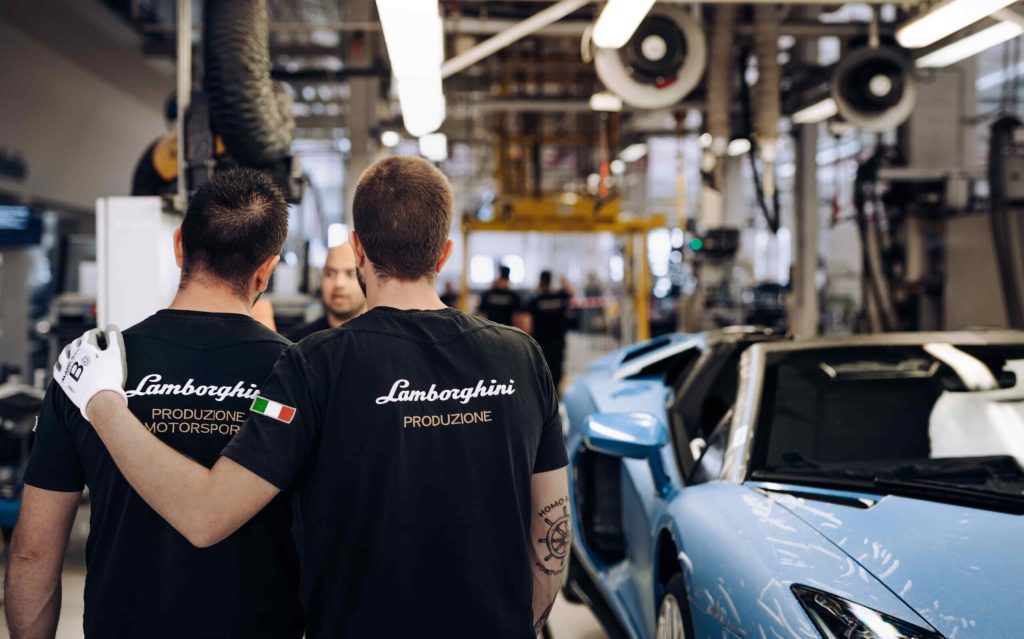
pixel 568 621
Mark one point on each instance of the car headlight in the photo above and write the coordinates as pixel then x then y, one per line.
pixel 837 618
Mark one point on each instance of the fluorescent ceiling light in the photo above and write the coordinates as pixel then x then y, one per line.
pixel 619 21
pixel 605 101
pixel 970 46
pixel 414 36
pixel 816 112
pixel 434 147
pixel 633 152
pixel 390 139
pixel 738 147
pixel 945 20
pixel 423 104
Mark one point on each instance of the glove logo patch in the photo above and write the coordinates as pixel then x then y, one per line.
pixel 75 369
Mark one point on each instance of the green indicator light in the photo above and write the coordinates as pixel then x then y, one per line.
pixel 696 244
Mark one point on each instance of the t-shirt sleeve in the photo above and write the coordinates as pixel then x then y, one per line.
pixel 551 453
pixel 54 463
pixel 283 423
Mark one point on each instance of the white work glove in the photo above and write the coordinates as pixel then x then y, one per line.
pixel 84 369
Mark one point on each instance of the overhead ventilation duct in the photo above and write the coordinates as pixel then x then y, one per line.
pixel 874 88
pixel 251 113
pixel 660 65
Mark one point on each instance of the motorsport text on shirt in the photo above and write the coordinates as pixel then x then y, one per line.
pixel 191 379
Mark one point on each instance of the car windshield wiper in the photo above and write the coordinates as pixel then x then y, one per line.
pixel 945 491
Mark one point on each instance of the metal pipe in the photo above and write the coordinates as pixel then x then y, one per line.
pixel 520 30
pixel 184 97
pixel 568 29
pixel 720 67
pixel 767 100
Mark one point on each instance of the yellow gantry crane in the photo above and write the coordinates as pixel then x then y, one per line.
pixel 569 213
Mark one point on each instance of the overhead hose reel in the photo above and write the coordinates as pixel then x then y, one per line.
pixel 660 65
pixel 874 88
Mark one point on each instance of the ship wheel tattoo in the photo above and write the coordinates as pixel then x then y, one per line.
pixel 558 537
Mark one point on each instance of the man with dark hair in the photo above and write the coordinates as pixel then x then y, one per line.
pixel 549 311
pixel 340 294
pixel 192 371
pixel 500 303
pixel 425 446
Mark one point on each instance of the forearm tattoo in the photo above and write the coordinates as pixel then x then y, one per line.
pixel 557 540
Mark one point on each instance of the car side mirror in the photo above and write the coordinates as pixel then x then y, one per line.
pixel 632 436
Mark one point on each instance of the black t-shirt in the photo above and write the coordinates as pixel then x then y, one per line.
pixel 412 438
pixel 499 305
pixel 550 312
pixel 308 329
pixel 191 380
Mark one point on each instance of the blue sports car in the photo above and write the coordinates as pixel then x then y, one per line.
pixel 737 484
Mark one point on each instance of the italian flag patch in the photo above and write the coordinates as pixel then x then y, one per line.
pixel 273 409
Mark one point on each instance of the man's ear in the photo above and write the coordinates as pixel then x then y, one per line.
pixel 446 253
pixel 357 247
pixel 179 252
pixel 263 272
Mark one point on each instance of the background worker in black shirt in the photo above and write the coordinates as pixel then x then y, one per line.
pixel 500 303
pixel 425 446
pixel 339 292
pixel 192 371
pixel 549 312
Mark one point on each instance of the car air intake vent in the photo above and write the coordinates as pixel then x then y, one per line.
pixel 863 503
pixel 649 347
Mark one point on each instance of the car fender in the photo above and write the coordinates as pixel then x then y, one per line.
pixel 740 551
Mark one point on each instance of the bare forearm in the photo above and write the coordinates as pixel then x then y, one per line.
pixel 172 484
pixel 31 598
pixel 551 537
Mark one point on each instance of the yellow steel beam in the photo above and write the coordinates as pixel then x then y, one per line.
pixel 567 224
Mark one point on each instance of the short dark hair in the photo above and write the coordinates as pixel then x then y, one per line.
pixel 402 213
pixel 235 221
pixel 504 272
pixel 545 278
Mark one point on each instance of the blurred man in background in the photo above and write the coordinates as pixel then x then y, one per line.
pixel 339 291
pixel 549 312
pixel 450 297
pixel 500 303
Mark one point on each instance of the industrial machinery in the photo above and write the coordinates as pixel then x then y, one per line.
pixel 19 406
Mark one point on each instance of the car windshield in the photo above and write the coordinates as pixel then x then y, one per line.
pixel 935 417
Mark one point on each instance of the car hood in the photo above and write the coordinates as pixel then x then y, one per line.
pixel 958 567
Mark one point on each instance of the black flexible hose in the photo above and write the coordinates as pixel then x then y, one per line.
pixel 249 111
pixel 770 215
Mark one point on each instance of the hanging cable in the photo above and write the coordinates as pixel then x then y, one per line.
pixel 766 92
